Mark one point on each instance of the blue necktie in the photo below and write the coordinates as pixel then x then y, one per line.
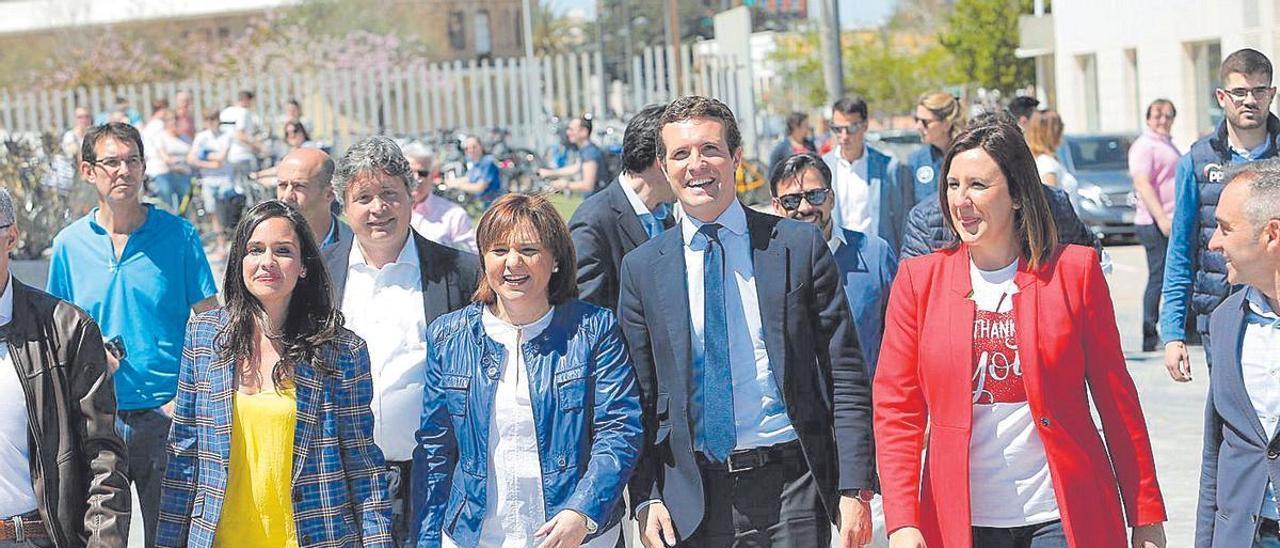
pixel 719 436
pixel 653 221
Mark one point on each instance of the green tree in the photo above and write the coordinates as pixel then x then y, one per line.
pixel 982 36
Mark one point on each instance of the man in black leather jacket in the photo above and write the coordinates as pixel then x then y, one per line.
pixel 64 465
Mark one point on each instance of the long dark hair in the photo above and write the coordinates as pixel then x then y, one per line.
pixel 1000 138
pixel 311 320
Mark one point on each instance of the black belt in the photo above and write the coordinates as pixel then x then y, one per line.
pixel 1268 527
pixel 23 528
pixel 756 457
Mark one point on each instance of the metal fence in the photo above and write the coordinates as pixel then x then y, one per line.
pixel 418 99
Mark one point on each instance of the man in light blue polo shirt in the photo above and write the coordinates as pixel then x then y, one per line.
pixel 139 272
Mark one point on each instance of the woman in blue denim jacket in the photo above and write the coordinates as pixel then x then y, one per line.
pixel 531 422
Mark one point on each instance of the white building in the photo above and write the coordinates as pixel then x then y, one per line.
pixel 1101 62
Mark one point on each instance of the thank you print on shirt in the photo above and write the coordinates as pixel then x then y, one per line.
pixel 997 375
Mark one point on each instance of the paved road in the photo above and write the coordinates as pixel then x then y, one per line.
pixel 1173 411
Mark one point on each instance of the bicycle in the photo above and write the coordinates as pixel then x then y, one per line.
pixel 752 183
pixel 194 210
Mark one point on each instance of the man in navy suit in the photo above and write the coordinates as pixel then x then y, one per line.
pixel 756 401
pixel 1241 461
pixel 612 222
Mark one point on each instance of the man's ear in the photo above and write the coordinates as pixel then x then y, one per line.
pixel 1271 233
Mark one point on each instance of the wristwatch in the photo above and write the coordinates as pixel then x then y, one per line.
pixel 864 495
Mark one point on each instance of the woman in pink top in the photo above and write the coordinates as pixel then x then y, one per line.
pixel 1152 161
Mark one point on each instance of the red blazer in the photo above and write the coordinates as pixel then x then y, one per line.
pixel 1067 337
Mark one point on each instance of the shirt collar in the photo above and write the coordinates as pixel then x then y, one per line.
pixel 332 236
pixel 6 303
pixel 1162 138
pixel 1254 153
pixel 408 254
pixel 836 153
pixel 93 220
pixel 843 236
pixel 733 219
pixel 637 204
pixel 1253 298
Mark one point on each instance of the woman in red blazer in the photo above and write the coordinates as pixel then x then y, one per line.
pixel 988 349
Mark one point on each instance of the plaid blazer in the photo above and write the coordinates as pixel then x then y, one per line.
pixel 339 487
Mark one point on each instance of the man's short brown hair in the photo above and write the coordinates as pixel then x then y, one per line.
pixel 1245 61
pixel 516 212
pixel 697 106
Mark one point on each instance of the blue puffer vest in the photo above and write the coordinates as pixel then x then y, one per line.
pixel 1209 158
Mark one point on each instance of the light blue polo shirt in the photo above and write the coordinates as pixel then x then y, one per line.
pixel 145 297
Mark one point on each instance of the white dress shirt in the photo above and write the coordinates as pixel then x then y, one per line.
pixel 514 501
pixel 637 204
pixel 17 496
pixel 759 413
pixel 384 307
pixel 857 205
pixel 1261 370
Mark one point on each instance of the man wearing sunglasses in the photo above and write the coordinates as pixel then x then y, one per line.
pixel 139 271
pixel 303 180
pixel 872 191
pixel 1195 275
pixel 801 189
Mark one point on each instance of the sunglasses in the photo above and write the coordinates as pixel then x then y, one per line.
pixel 815 197
pixel 849 128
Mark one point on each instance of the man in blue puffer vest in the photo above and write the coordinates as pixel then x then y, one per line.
pixel 1248 133
pixel 873 191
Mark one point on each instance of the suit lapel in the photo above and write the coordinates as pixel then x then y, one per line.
pixel 222 388
pixel 1026 304
pixel 1226 354
pixel 674 298
pixel 308 389
pixel 336 259
pixel 769 267
pixel 628 221
pixel 959 344
pixel 435 284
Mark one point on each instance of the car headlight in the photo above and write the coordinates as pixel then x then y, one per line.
pixel 1091 194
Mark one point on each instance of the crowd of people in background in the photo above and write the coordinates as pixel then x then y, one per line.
pixel 377 370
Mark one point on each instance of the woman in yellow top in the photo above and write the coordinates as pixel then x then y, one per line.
pixel 272 440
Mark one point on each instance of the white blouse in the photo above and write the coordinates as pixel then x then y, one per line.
pixel 514 505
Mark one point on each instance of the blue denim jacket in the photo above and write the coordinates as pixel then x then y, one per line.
pixel 586 411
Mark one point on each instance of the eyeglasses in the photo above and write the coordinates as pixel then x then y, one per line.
pixel 1239 94
pixel 815 197
pixel 2 227
pixel 424 173
pixel 851 128
pixel 113 164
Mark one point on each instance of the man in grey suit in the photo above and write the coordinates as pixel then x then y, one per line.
pixel 391 283
pixel 1241 461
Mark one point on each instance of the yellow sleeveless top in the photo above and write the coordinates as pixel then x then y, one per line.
pixel 258 508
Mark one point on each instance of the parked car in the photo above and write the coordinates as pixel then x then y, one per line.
pixel 1104 198
pixel 899 143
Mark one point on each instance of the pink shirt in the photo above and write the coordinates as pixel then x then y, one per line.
pixel 1155 157
pixel 444 222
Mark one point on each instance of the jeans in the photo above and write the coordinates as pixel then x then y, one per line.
pixel 398 484
pixel 145 433
pixel 1266 539
pixel 1156 245
pixel 1040 535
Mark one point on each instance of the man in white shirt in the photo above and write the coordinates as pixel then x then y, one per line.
pixel 873 191
pixel 242 124
pixel 1241 461
pixel 391 284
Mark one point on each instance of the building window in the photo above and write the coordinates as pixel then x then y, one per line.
pixel 484 42
pixel 518 24
pixel 1205 58
pixel 457 30
pixel 1088 77
pixel 1135 116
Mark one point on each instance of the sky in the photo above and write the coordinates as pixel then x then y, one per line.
pixel 853 13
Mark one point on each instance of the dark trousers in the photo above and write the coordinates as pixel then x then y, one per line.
pixel 1040 535
pixel 1155 242
pixel 398 482
pixel 144 432
pixel 775 506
